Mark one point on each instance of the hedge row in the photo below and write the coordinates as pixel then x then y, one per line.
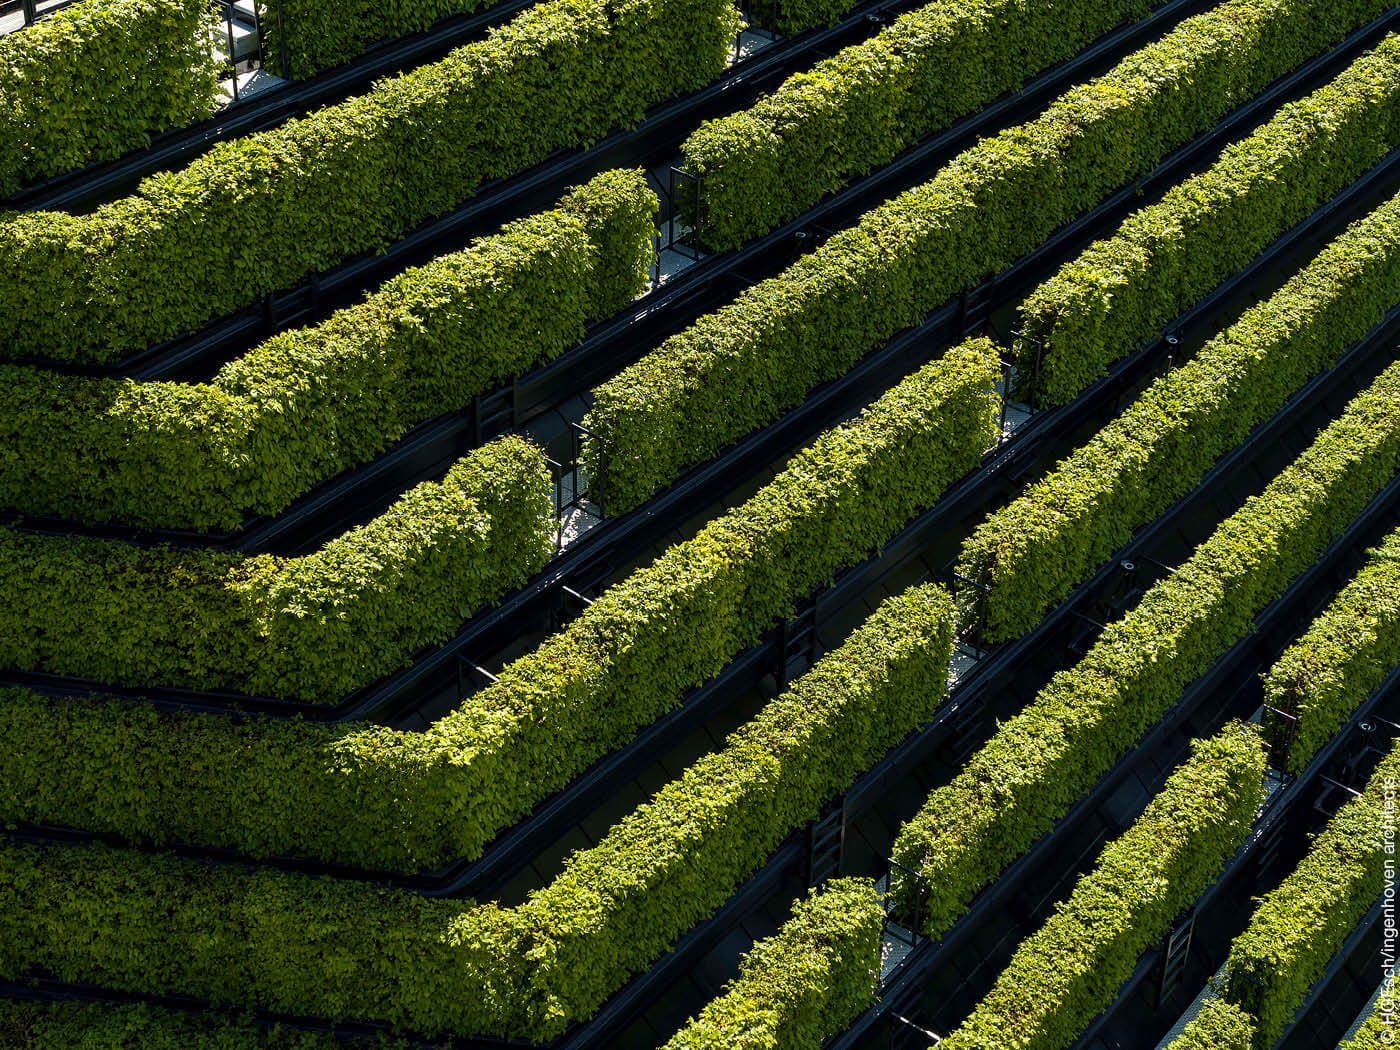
pixel 1069 970
pixel 1297 928
pixel 92 81
pixel 805 983
pixel 1339 661
pixel 790 17
pixel 1031 553
pixel 533 969
pixel 261 212
pixel 1376 1033
pixel 745 365
pixel 1043 760
pixel 619 906
pixel 312 35
pixel 1122 290
pixel 1219 1026
pixel 90 1026
pixel 854 112
pixel 384 799
pixel 309 403
pixel 313 627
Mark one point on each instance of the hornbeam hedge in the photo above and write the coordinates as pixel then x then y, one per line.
pixel 312 627
pixel 311 402
pixel 1339 661
pixel 69 1025
pixel 381 798
pixel 1297 928
pixel 1034 551
pixel 553 960
pixel 259 213
pixel 743 366
pixel 1069 970
pixel 855 111
pixel 803 984
pixel 1122 290
pixel 1043 760
pixel 1219 1026
pixel 1376 1033
pixel 94 80
pixel 312 35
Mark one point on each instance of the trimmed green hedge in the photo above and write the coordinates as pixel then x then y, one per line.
pixel 803 984
pixel 1033 552
pixel 91 1026
pixel 261 212
pixel 1340 660
pixel 1377 1033
pixel 1297 928
pixel 297 944
pixel 312 627
pixel 556 958
pixel 311 402
pixel 789 17
pixel 1122 290
pixel 386 799
pixel 317 34
pixel 1219 1026
pixel 92 81
pixel 1069 970
pixel 854 112
pixel 1043 760
pixel 620 905
pixel 743 366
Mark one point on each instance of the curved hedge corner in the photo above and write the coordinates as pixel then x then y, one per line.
pixel 854 112
pixel 438 965
pixel 260 213
pixel 1037 549
pixel 1122 290
pixel 743 366
pixel 94 80
pixel 68 1025
pixel 313 627
pixel 1048 756
pixel 805 983
pixel 1345 655
pixel 380 798
pixel 311 402
pixel 1219 1026
pixel 313 35
pixel 1297 928
pixel 1069 970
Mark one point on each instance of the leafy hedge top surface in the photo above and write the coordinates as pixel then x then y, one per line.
pixel 314 627
pixel 1034 551
pixel 93 80
pixel 1045 758
pixel 803 984
pixel 1341 658
pixel 259 213
pixel 1121 290
pixel 1220 1025
pixel 382 798
pixel 1070 969
pixel 313 401
pixel 1297 928
pixel 446 964
pixel 744 365
pixel 855 111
